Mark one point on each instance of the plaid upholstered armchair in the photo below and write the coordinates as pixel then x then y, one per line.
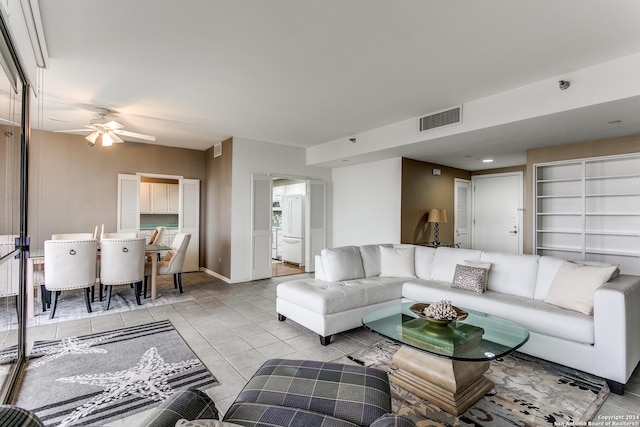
pixel 292 393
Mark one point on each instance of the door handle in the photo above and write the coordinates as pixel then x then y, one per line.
pixel 513 232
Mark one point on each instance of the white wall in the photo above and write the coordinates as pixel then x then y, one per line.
pixel 366 203
pixel 256 157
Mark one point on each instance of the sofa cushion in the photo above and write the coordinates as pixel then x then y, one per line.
pixel 397 261
pixel 424 261
pixel 574 286
pixel 446 259
pixel 342 263
pixel 512 274
pixel 370 255
pixel 469 278
pixel 324 297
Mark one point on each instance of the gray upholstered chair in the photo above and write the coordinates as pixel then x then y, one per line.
pixel 172 262
pixel 295 393
pixel 15 416
pixel 121 263
pixel 69 264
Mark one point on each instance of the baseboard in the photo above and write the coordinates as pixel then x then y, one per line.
pixel 216 275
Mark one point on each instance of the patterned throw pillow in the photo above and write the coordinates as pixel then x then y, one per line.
pixel 469 278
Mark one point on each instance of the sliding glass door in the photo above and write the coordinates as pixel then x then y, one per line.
pixel 13 167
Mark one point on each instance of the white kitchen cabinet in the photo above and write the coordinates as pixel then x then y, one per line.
pixel 159 198
pixel 590 210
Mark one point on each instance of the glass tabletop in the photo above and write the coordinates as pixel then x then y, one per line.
pixel 479 337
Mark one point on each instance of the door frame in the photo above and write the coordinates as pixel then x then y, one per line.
pixel 469 224
pixel 520 209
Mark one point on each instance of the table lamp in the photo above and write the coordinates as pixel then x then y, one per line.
pixel 436 216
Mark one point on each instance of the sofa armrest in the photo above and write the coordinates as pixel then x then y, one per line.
pixel 616 318
pixel 393 420
pixel 190 404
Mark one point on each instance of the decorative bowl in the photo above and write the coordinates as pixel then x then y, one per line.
pixel 418 309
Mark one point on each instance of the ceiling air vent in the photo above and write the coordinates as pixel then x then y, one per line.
pixel 217 150
pixel 443 118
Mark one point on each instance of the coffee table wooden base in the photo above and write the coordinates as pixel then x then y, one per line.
pixel 453 385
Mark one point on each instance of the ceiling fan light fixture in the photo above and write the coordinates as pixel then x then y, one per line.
pixel 92 138
pixel 106 140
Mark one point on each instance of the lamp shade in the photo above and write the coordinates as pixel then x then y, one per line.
pixel 437 215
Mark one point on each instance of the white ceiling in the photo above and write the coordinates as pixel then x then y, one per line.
pixel 306 72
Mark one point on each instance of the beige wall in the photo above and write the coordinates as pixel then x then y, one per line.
pixel 10 182
pixel 421 191
pixel 580 150
pixel 73 187
pixel 218 210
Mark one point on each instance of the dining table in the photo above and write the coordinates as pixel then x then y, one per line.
pixel 36 258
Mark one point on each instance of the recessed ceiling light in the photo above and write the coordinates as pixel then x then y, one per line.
pixel 487 160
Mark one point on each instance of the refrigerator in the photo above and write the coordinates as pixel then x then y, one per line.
pixel 293 229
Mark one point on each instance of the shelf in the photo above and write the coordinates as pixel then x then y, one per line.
pixel 559 180
pixel 614 253
pixel 559 249
pixel 613 195
pixel 560 231
pixel 591 178
pixel 561 196
pixel 612 214
pixel 612 233
pixel 560 213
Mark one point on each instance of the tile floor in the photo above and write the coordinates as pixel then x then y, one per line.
pixel 233 329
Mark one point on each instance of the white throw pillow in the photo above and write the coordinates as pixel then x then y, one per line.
pixel 342 263
pixel 574 286
pixel 397 262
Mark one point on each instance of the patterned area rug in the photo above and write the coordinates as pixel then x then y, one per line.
pixel 527 392
pixel 98 378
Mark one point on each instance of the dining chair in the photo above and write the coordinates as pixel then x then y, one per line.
pixel 158 236
pixel 122 263
pixel 172 262
pixel 119 235
pixel 72 236
pixel 9 270
pixel 69 264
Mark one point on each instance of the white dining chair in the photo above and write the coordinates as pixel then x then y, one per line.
pixel 119 235
pixel 69 264
pixel 158 236
pixel 172 262
pixel 9 270
pixel 122 263
pixel 72 236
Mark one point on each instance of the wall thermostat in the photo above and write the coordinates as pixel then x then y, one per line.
pixel 437 172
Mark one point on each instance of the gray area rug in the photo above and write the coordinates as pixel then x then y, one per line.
pixel 97 378
pixel 71 305
pixel 527 392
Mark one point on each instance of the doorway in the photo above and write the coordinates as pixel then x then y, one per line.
pixel 497 212
pixel 288 226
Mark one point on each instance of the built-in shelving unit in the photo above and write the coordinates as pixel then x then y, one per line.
pixel 589 209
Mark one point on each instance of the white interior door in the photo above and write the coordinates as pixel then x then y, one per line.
pixel 128 206
pixel 462 214
pixel 497 212
pixel 261 226
pixel 189 201
pixel 315 218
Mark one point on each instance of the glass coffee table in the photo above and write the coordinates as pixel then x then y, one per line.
pixel 445 363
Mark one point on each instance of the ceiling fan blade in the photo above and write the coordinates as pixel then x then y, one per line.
pixel 113 125
pixel 12 123
pixel 115 137
pixel 135 135
pixel 72 130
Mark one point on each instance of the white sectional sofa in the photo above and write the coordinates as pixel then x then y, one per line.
pixel 352 281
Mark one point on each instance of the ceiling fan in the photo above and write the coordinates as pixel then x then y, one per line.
pixel 107 133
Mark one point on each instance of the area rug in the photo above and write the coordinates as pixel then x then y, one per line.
pixel 527 392
pixel 97 378
pixel 71 305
